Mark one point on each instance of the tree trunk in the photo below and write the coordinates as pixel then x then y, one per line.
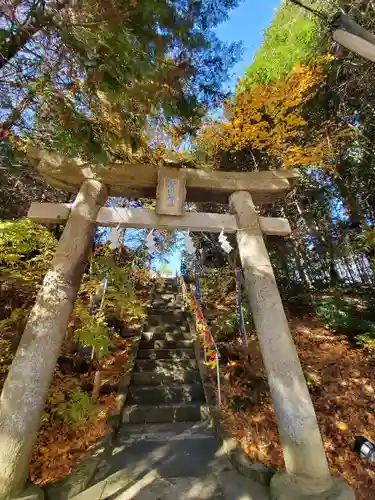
pixel 27 383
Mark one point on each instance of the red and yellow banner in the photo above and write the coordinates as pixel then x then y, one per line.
pixel 201 325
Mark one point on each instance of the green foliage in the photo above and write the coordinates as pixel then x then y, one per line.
pixel 313 380
pixel 346 318
pixel 77 409
pixel 25 247
pixel 218 280
pixel 292 38
pixel 95 332
pixel 6 358
pixel 367 340
pixel 120 298
pixel 215 288
pixel 337 315
pixel 106 297
pixel 227 325
pixel 123 306
pixel 164 269
pixel 26 250
pixel 108 69
pixel 15 319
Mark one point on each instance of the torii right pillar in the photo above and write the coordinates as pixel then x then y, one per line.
pixel 307 475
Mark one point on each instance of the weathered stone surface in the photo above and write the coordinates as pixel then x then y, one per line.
pixel 236 487
pixel 165 353
pixel 173 393
pixel 78 481
pixel 32 492
pixel 252 470
pixel 284 487
pixel 139 180
pixel 171 191
pixel 173 377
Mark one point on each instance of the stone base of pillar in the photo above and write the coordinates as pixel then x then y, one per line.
pixel 284 488
pixel 31 492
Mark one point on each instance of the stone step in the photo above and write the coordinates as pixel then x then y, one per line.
pixel 165 322
pixel 164 432
pixel 162 327
pixel 170 313
pixel 167 313
pixel 176 393
pixel 166 344
pixel 164 365
pixel 165 300
pixel 166 317
pixel 173 412
pixel 175 377
pixel 167 296
pixel 169 288
pixel 165 353
pixel 172 284
pixel 169 336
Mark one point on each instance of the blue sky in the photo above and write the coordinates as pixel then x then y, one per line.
pixel 246 24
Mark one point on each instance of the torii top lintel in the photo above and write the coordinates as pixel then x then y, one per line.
pixel 140 180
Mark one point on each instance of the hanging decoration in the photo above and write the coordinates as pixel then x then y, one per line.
pixel 190 248
pixel 150 242
pixel 114 237
pixel 211 352
pixel 197 281
pixel 224 243
pixel 239 311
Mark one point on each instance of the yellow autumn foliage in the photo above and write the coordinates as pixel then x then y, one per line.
pixel 271 120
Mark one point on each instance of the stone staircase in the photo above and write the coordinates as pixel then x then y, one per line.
pixel 165 386
pixel 166 448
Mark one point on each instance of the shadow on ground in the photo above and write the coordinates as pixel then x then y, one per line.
pixel 169 462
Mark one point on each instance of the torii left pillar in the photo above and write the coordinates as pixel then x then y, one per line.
pixel 25 389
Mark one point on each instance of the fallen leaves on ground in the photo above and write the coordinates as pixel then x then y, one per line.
pixel 341 382
pixel 59 447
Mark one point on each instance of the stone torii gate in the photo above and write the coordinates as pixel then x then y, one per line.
pixel 307 475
